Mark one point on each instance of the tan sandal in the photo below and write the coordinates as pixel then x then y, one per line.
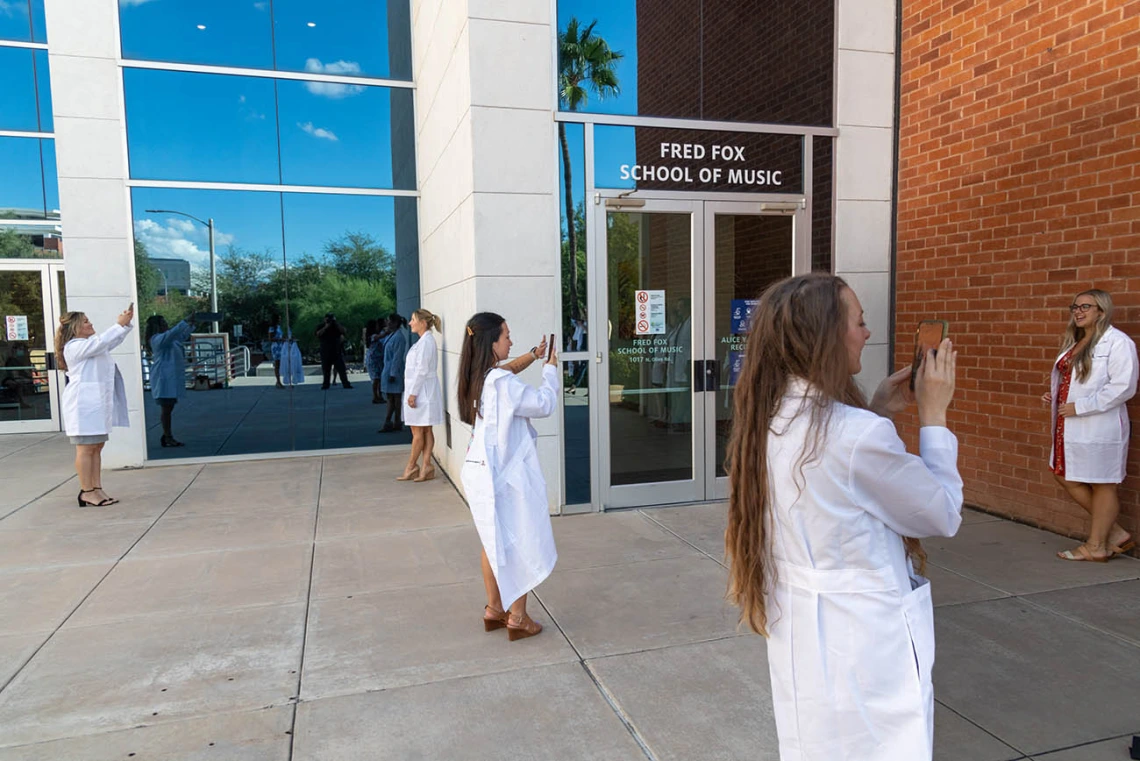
pixel 1084 554
pixel 494 619
pixel 428 475
pixel 521 628
pixel 409 475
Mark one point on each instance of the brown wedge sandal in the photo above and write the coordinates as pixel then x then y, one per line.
pixel 521 628
pixel 494 619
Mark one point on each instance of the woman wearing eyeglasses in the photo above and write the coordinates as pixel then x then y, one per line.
pixel 1092 379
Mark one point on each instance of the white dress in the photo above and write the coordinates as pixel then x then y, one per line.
pixel 1096 440
pixel 851 626
pixel 422 382
pixel 503 482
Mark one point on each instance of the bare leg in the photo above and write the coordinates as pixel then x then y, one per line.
pixel 494 601
pixel 1082 494
pixel 429 447
pixel 1106 506
pixel 376 391
pixel 85 466
pixel 417 447
pixel 277 373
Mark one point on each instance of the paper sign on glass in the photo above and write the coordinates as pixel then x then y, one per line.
pixel 649 313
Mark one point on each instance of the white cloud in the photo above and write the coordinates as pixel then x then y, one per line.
pixel 9 9
pixel 261 6
pixel 129 3
pixel 179 238
pixel 329 89
pixel 320 132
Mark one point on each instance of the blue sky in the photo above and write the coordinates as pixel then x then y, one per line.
pixel 23 173
pixel 25 97
pixel 617 24
pixel 22 20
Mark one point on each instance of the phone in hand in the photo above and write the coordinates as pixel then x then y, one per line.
pixel 929 336
pixel 550 348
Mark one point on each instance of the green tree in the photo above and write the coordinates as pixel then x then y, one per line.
pixel 359 255
pixel 16 246
pixel 353 300
pixel 585 64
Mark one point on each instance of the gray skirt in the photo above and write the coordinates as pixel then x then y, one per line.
pixel 88 440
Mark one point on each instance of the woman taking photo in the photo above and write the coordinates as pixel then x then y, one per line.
pixel 501 475
pixel 823 494
pixel 423 399
pixel 168 368
pixel 94 398
pixel 1091 381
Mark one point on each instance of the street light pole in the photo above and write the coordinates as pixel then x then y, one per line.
pixel 213 275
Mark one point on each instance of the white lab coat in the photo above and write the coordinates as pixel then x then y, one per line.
pixel 851 626
pixel 95 398
pixel 504 484
pixel 422 382
pixel 1096 440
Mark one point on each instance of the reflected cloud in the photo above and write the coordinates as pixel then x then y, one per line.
pixel 320 132
pixel 176 238
pixel 131 3
pixel 9 9
pixel 329 89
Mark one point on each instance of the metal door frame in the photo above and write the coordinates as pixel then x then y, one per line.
pixel 49 289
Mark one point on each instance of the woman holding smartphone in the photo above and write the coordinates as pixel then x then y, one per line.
pixel 95 398
pixel 501 474
pixel 825 502
pixel 1092 379
pixel 423 398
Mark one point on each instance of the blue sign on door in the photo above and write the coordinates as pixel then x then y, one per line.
pixel 742 314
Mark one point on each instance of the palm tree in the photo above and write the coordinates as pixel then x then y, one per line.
pixel 585 63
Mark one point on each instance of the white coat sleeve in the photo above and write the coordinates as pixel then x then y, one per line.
pixel 541 401
pixel 914 496
pixel 76 351
pixel 1121 385
pixel 415 366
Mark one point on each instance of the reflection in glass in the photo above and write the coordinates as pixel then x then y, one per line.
pixel 357 38
pixel 28 229
pixel 342 135
pixel 213 32
pixel 576 431
pixel 43 91
pixel 572 187
pixel 24 389
pixel 650 385
pixel 23 21
pixel 598 60
pixel 18 109
pixel 821 205
pixel 207 127
pixel 752 252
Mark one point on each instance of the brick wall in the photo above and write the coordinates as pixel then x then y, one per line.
pixel 1018 187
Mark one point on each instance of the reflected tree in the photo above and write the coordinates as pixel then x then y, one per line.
pixel 586 64
pixel 16 246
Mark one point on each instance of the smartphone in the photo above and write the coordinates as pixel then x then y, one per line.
pixel 928 336
pixel 550 348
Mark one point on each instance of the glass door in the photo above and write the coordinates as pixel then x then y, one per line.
pixel 652 428
pixel 29 386
pixel 746 250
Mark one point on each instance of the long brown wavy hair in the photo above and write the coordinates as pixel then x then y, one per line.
pixel 69 324
pixel 1082 360
pixel 797 331
pixel 476 359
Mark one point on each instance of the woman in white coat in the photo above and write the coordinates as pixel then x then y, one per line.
pixel 825 502
pixel 95 398
pixel 501 475
pixel 1091 381
pixel 423 399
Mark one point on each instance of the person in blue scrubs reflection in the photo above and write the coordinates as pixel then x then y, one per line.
pixel 168 367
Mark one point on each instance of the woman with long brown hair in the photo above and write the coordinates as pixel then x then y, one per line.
pixel 501 475
pixel 1092 379
pixel 95 399
pixel 823 496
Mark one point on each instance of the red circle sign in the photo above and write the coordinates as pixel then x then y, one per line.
pixel 643 326
pixel 643 297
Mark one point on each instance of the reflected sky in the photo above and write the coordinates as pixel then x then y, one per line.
pixel 18 102
pixel 613 146
pixel 22 20
pixel 22 189
pixel 347 37
pixel 617 24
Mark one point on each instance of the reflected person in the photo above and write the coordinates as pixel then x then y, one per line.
pixel 392 377
pixel 423 402
pixel 330 334
pixel 167 349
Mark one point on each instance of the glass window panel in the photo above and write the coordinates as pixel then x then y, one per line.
pixel 16 21
pixel 18 95
pixel 355 38
pixel 213 32
pixel 600 84
pixel 207 127
pixel 43 91
pixel 24 390
pixel 51 179
pixel 576 431
pixel 650 383
pixel 821 213
pixel 572 189
pixel 22 191
pixel 342 135
pixel 39 23
pixel 654 158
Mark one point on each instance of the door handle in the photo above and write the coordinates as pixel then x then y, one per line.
pixel 712 375
pixel 49 358
pixel 698 375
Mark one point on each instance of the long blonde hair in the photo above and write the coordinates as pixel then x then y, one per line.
pixel 432 320
pixel 797 333
pixel 69 324
pixel 1082 360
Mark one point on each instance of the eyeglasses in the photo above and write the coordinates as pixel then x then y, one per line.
pixel 1082 307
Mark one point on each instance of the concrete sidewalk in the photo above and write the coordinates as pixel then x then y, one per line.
pixel 316 609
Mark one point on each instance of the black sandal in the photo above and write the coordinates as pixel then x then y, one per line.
pixel 101 503
pixel 170 441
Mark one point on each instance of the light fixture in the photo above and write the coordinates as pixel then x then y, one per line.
pixel 201 26
pixel 310 24
pixel 784 208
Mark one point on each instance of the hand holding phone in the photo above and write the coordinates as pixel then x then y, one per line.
pixel 550 348
pixel 927 337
